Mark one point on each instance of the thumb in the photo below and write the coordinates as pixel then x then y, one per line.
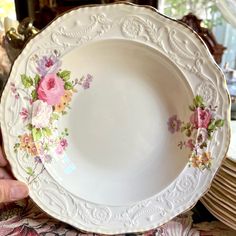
pixel 12 190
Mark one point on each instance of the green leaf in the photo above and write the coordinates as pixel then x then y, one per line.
pixel 29 126
pixel 34 95
pixel 212 126
pixel 65 74
pixel 188 125
pixel 26 81
pixel 188 132
pixel 16 145
pixel 55 116
pixel 192 108
pixel 36 80
pixel 198 101
pixel 68 85
pixel 37 134
pixel 204 145
pixel 219 123
pixel 183 129
pixel 29 171
pixel 199 98
pixel 46 132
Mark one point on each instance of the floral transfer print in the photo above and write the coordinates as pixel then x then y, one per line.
pixel 202 124
pixel 174 124
pixel 51 91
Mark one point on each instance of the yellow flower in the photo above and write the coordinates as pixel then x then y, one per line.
pixel 27 144
pixel 206 158
pixel 65 99
pixel 25 140
pixel 195 161
pixel 33 149
pixel 60 107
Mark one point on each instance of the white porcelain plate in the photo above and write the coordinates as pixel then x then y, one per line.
pixel 116 117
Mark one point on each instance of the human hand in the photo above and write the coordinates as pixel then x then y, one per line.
pixel 10 189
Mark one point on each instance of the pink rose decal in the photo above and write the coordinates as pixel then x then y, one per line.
pixel 61 146
pixel 51 89
pixel 200 118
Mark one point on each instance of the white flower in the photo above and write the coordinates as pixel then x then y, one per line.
pixel 41 113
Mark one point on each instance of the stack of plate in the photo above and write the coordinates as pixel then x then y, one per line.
pixel 221 198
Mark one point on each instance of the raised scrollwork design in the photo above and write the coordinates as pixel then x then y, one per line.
pixel 81 33
pixel 209 93
pixel 137 28
pixel 99 214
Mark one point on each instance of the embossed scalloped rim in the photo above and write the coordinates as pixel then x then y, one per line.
pixel 169 216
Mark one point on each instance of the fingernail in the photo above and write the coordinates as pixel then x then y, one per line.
pixel 18 192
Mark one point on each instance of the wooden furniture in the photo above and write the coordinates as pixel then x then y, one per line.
pixel 214 47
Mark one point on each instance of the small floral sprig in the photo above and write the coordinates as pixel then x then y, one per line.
pixel 51 91
pixel 199 130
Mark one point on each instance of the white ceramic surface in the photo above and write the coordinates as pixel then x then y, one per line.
pixel 121 71
pixel 117 124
